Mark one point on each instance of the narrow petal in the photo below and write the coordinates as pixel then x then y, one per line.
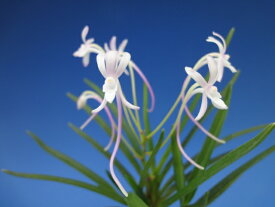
pixel 219 103
pixel 122 45
pixel 217 42
pixel 196 76
pixel 106 47
pixel 202 108
pixel 100 107
pixel 213 70
pixel 229 66
pixel 125 102
pixel 113 43
pixel 84 33
pixel 201 127
pixel 100 59
pixel 86 60
pixel 124 61
pixel 183 152
pixel 222 39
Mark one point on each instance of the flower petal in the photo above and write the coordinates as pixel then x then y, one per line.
pixel 229 66
pixel 222 39
pixel 202 108
pixel 100 107
pixel 84 33
pixel 122 45
pixel 219 103
pixel 124 101
pixel 110 96
pixel 113 43
pixel 196 76
pixel 213 70
pixel 106 47
pixel 124 61
pixel 111 59
pixel 86 60
pixel 100 59
pixel 217 42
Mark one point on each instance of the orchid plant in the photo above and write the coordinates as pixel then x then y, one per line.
pixel 142 145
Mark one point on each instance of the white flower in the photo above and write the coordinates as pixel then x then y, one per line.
pixel 207 89
pixel 111 65
pixel 223 59
pixel 86 47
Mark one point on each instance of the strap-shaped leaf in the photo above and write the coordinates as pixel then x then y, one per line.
pixel 130 179
pixel 243 132
pixel 225 183
pixel 98 189
pixel 134 201
pixel 225 161
pixel 71 162
pixel 107 129
pixel 178 167
pixel 148 164
pixel 229 36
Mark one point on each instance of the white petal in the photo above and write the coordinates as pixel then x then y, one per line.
pixel 84 33
pixel 86 60
pixel 196 76
pixel 106 47
pixel 229 66
pixel 218 43
pixel 122 45
pixel 202 108
pixel 222 39
pixel 111 59
pixel 219 103
pixel 113 43
pixel 110 96
pixel 213 70
pixel 125 102
pixel 100 107
pixel 100 59
pixel 124 61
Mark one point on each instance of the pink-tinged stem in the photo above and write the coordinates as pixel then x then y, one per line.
pixel 119 128
pixel 201 127
pixel 182 150
pixel 137 69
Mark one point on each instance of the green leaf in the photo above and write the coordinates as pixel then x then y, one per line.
pixel 243 132
pixel 71 162
pixel 148 164
pixel 134 201
pixel 124 172
pixel 104 191
pixel 229 36
pixel 178 167
pixel 224 162
pixel 226 182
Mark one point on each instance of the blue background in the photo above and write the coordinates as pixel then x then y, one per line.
pixel 37 69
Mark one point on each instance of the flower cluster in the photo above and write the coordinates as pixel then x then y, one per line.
pixel 113 61
pixel 216 63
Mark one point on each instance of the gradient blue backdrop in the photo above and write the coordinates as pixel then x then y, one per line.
pixel 37 69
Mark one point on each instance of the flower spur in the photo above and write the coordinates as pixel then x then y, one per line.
pixel 81 102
